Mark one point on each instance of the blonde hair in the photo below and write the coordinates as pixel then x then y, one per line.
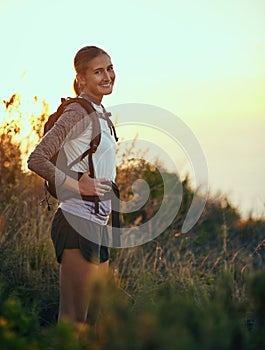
pixel 81 59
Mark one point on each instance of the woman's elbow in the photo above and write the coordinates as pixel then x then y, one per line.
pixel 31 162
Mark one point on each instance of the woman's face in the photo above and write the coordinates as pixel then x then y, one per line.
pixel 99 77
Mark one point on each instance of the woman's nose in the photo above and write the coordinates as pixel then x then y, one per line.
pixel 106 76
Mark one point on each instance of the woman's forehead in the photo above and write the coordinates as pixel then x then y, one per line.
pixel 101 61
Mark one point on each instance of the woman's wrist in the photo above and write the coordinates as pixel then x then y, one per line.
pixel 71 184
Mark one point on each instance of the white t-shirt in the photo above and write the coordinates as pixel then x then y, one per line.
pixel 104 161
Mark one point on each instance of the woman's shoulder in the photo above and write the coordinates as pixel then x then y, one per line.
pixel 77 108
pixel 75 120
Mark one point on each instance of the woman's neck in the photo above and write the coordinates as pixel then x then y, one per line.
pixel 92 99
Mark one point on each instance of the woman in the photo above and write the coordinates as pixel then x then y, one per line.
pixel 76 222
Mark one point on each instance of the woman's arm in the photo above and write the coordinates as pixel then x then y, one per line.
pixel 39 160
pixel 73 120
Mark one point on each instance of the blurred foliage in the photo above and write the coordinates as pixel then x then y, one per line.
pixel 164 318
pixel 199 290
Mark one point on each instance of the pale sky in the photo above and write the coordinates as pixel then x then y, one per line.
pixel 202 60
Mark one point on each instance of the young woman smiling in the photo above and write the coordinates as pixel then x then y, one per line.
pixel 79 232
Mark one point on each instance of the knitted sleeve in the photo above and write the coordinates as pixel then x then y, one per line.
pixel 71 123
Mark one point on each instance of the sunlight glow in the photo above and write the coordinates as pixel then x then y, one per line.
pixel 24 119
pixel 202 60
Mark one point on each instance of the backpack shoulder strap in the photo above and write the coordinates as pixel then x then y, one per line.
pixel 69 100
pixel 96 132
pixel 64 103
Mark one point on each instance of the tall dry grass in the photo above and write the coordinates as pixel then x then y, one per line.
pixel 179 291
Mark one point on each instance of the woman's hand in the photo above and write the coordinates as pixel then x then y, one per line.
pixel 92 187
pixel 87 186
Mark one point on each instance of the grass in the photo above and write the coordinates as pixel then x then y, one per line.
pixel 196 291
pixel 172 293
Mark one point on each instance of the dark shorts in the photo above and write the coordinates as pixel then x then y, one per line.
pixel 64 236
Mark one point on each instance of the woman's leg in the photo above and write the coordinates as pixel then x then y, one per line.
pixel 77 276
pixel 103 270
pixel 96 295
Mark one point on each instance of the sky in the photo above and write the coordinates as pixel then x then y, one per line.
pixel 201 60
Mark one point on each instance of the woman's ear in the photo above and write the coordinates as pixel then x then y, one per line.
pixel 80 79
pixel 80 82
